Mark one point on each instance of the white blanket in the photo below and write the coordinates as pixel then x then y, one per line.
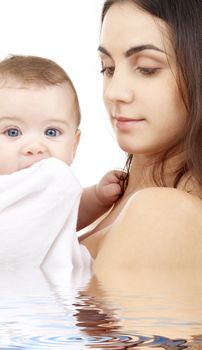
pixel 38 213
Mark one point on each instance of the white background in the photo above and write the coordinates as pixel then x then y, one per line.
pixel 67 31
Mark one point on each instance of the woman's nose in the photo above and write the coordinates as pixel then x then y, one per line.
pixel 118 89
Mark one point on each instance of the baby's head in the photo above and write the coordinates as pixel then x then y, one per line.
pixel 39 113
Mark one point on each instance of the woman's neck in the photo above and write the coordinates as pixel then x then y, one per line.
pixel 142 172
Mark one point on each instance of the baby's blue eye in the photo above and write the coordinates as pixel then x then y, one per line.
pixel 13 132
pixel 52 132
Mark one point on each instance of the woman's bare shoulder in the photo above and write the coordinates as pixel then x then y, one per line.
pixel 167 195
pixel 169 206
pixel 157 227
pixel 168 198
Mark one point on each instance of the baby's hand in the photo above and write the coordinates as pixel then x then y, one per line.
pixel 110 187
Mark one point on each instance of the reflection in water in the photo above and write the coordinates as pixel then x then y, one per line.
pixel 36 314
pixel 141 310
pixel 154 308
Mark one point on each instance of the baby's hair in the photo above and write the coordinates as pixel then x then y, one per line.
pixel 37 71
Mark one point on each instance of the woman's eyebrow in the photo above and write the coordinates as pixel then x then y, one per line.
pixel 136 49
pixel 103 50
pixel 133 50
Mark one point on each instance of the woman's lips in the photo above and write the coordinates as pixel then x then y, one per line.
pixel 126 123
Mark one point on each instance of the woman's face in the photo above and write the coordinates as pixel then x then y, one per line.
pixel 140 85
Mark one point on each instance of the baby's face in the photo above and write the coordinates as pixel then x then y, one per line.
pixel 36 123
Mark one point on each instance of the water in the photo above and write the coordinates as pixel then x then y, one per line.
pixel 143 309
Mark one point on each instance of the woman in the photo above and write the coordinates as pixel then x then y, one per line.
pixel 151 55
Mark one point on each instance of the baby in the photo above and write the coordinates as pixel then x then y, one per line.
pixel 40 195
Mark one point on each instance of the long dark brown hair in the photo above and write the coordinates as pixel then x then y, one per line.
pixel 184 19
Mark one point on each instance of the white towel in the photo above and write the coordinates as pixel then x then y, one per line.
pixel 38 214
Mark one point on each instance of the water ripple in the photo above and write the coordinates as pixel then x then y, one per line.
pixel 114 341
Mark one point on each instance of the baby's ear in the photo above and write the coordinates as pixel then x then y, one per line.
pixel 76 141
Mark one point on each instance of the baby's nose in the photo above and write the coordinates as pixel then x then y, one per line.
pixel 34 149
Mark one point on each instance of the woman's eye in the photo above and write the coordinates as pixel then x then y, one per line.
pixel 108 71
pixel 147 71
pixel 52 132
pixel 13 132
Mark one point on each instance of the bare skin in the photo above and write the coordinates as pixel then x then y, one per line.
pixel 152 227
